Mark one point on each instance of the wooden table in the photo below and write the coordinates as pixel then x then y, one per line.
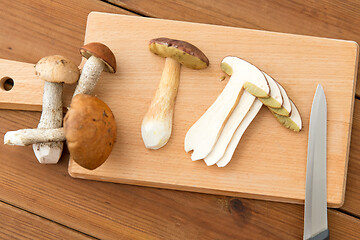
pixel 44 202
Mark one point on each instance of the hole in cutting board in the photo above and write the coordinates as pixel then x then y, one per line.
pixel 6 83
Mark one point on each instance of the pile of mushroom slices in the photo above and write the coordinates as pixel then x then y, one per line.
pixel 89 125
pixel 215 136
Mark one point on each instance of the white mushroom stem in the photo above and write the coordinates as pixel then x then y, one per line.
pixel 157 124
pixel 90 75
pixel 51 117
pixel 255 108
pixel 26 137
pixel 236 117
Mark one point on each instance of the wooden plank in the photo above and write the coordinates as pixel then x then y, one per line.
pixel 251 173
pixel 352 196
pixel 31 30
pixel 325 18
pixel 19 224
pixel 107 211
pixel 37 30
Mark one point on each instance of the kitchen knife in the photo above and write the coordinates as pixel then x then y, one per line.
pixel 315 219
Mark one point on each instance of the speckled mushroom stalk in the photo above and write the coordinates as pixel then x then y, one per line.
pixel 55 70
pixel 157 123
pixel 24 137
pixel 89 129
pixel 99 58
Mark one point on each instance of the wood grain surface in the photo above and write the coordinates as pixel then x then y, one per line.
pixel 278 171
pixel 18 224
pixel 352 196
pixel 33 29
pixel 324 18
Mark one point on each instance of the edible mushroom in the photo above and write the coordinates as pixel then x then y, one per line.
pixel 99 58
pixel 157 123
pixel 89 129
pixel 54 70
pixel 204 134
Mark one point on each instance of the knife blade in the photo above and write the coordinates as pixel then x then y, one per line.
pixel 315 217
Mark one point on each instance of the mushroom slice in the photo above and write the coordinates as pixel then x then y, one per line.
pixel 255 108
pixel 203 135
pixel 156 126
pixel 292 122
pixel 285 109
pixel 237 116
pixel 275 100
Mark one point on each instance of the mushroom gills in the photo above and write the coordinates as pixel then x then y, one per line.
pixel 285 109
pixel 179 55
pixel 275 99
pixel 255 108
pixel 293 122
pixel 237 116
pixel 202 136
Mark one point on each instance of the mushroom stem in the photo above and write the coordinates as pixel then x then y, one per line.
pixel 51 117
pixel 157 123
pixel 90 75
pixel 24 137
pixel 52 112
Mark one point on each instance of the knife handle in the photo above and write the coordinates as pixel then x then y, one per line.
pixel 324 235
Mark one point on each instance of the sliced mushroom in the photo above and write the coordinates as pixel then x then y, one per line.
pixel 284 113
pixel 203 135
pixel 156 126
pixel 242 109
pixel 235 119
pixel 293 122
pixel 89 129
pixel 54 70
pixel 99 58
pixel 225 159
pixel 285 109
pixel 275 100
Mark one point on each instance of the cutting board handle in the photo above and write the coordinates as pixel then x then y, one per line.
pixel 21 89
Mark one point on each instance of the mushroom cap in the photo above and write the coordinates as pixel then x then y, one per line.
pixel 184 52
pixel 102 52
pixel 57 69
pixel 90 131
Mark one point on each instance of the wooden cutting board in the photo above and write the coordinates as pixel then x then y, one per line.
pixel 270 161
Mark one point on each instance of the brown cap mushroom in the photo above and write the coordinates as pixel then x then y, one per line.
pixel 55 70
pixel 184 52
pixel 90 130
pixel 99 58
pixel 102 52
pixel 157 123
